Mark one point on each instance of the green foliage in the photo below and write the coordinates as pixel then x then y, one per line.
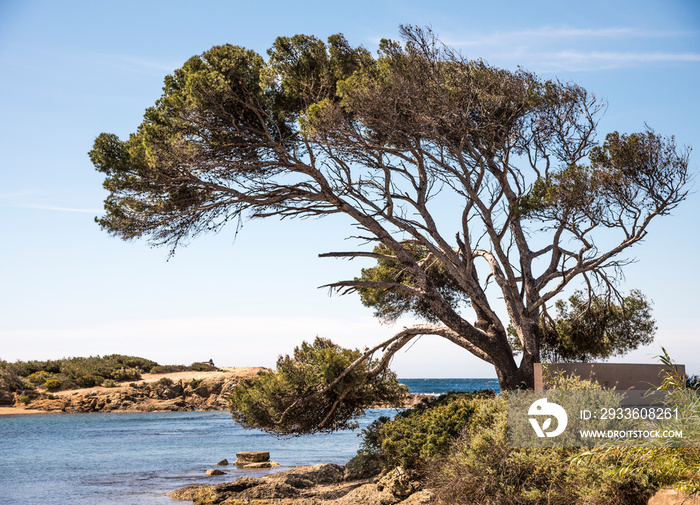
pixel 482 468
pixel 125 374
pixel 39 377
pixel 11 378
pixel 660 464
pixel 85 381
pixel 307 394
pixel 595 328
pixel 169 369
pixel 71 373
pixel 417 436
pixel 24 399
pixel 52 385
pixel 390 303
pixel 598 328
pixel 201 366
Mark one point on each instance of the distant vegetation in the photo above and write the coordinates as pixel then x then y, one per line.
pixel 73 373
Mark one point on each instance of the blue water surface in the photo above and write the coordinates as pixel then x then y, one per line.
pixel 135 458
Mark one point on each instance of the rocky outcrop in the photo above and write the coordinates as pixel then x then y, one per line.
pixel 312 485
pixel 155 395
pixel 175 392
pixel 396 486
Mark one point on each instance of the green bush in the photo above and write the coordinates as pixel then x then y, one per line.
pixel 11 379
pixel 52 385
pixel 39 377
pixel 418 435
pixel 481 468
pixel 168 369
pixel 200 366
pixel 24 399
pixel 85 381
pixel 313 391
pixel 109 383
pixel 125 374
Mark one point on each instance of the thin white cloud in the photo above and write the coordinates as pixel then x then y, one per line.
pixel 61 209
pixel 601 60
pixel 547 33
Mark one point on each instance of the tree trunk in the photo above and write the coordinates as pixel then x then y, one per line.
pixel 511 376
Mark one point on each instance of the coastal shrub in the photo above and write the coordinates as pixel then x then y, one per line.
pixel 39 377
pixel 661 464
pixel 313 391
pixel 481 468
pixel 11 379
pixel 109 383
pixel 200 366
pixel 418 435
pixel 160 369
pixel 24 399
pixel 52 385
pixel 73 372
pixel 85 381
pixel 125 374
pixel 194 383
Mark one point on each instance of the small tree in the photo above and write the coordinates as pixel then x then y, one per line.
pixel 323 387
pixel 478 185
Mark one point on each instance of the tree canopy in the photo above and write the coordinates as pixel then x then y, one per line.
pixel 485 193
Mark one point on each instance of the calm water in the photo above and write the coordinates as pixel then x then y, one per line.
pixel 125 459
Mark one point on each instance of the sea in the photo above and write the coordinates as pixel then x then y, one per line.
pixel 137 458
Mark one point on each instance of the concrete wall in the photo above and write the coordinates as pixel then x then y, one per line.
pixel 637 376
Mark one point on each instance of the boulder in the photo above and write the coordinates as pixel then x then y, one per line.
pixel 673 497
pixel 396 486
pixel 247 457
pixel 215 471
pixel 326 473
pixel 269 491
pixel 223 462
pixel 358 468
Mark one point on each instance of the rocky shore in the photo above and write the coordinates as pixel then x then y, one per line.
pixel 172 392
pixel 179 391
pixel 323 484
pixel 329 484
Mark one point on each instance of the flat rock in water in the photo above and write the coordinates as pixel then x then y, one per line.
pixel 214 471
pixel 247 457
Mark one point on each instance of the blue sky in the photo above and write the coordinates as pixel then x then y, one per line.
pixel 70 70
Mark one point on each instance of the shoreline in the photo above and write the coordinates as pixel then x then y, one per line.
pixel 19 411
pixel 168 392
